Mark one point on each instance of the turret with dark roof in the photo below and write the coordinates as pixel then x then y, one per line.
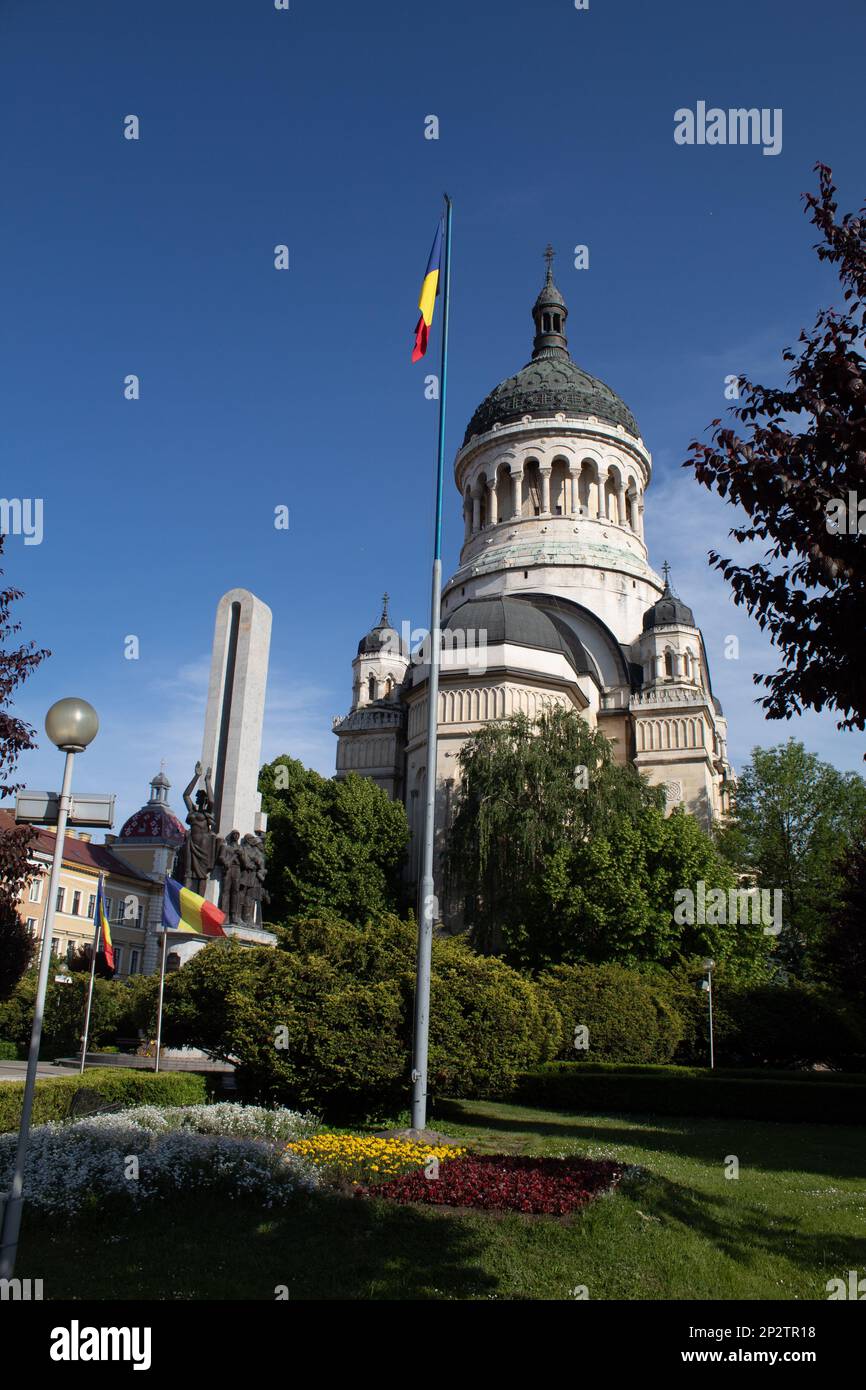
pixel 669 610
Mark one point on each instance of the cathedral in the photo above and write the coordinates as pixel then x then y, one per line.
pixel 554 602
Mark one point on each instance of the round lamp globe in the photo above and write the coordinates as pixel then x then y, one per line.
pixel 72 724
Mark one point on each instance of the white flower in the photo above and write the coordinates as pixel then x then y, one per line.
pixel 239 1149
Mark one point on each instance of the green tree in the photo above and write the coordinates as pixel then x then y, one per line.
pixel 558 866
pixel 64 1014
pixel 842 952
pixel 332 845
pixel 794 818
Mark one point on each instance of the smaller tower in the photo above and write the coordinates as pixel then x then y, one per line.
pixel 670 647
pixel 372 736
pixel 679 729
pixel 380 666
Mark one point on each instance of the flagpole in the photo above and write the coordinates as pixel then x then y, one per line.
pixel 96 930
pixel 427 901
pixel 161 992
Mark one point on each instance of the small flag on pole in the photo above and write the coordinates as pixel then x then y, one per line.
pixel 427 299
pixel 184 911
pixel 104 944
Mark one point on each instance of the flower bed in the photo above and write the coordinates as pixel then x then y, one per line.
pixel 499 1182
pixel 356 1158
pixel 157 1151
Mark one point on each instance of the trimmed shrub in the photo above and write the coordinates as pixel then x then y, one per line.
pixel 628 1017
pixel 484 1019
pixel 114 1085
pixel 769 1025
pixel 327 1019
pixel 8 1052
pixel 580 1087
pixel 789 1025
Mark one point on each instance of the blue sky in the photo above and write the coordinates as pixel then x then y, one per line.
pixel 261 388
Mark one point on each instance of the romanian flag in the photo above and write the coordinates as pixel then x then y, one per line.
pixel 105 946
pixel 427 300
pixel 185 911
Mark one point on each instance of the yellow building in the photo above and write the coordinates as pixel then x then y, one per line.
pixel 133 898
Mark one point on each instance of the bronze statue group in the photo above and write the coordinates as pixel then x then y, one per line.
pixel 240 860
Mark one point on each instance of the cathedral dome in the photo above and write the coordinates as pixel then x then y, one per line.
pixel 521 624
pixel 156 820
pixel 551 382
pixel 546 386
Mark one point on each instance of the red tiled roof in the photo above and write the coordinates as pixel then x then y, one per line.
pixel 83 852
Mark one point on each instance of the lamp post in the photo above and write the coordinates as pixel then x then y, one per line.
pixel 707 985
pixel 71 724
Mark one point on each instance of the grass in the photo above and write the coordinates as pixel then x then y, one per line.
pixel 681 1230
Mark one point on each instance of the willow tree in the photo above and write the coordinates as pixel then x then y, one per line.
pixel 562 855
pixel 526 788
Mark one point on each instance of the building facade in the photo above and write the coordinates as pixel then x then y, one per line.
pixel 129 897
pixel 554 601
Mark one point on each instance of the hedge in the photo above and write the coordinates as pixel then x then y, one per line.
pixel 816 1098
pixel 325 1020
pixel 113 1084
pixel 626 1017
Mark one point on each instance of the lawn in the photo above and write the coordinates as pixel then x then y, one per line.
pixel 679 1230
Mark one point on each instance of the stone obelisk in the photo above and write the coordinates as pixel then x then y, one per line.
pixel 232 743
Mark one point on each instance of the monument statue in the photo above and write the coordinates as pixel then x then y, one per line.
pixel 229 857
pixel 219 859
pixel 252 858
pixel 196 857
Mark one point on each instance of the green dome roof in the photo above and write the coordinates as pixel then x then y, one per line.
pixel 551 382
pixel 546 386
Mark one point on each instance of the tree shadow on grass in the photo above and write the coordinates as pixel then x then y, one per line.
pixel 318 1247
pixel 754 1233
pixel 828 1150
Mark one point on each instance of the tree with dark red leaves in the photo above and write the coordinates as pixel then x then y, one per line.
pixel 16 737
pixel 798 469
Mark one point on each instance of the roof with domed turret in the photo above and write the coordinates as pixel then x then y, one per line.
pixel 669 610
pixel 379 636
pixel 155 820
pixel 551 382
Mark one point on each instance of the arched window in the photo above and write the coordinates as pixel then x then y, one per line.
pixel 557 323
pixel 546 322
pixel 669 665
pixel 389 686
pixel 371 687
pixel 531 489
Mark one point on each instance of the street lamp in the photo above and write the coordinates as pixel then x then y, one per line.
pixel 71 724
pixel 707 985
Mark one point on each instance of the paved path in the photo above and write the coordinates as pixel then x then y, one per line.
pixel 16 1071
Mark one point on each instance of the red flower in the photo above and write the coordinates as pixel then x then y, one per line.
pixel 499 1182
